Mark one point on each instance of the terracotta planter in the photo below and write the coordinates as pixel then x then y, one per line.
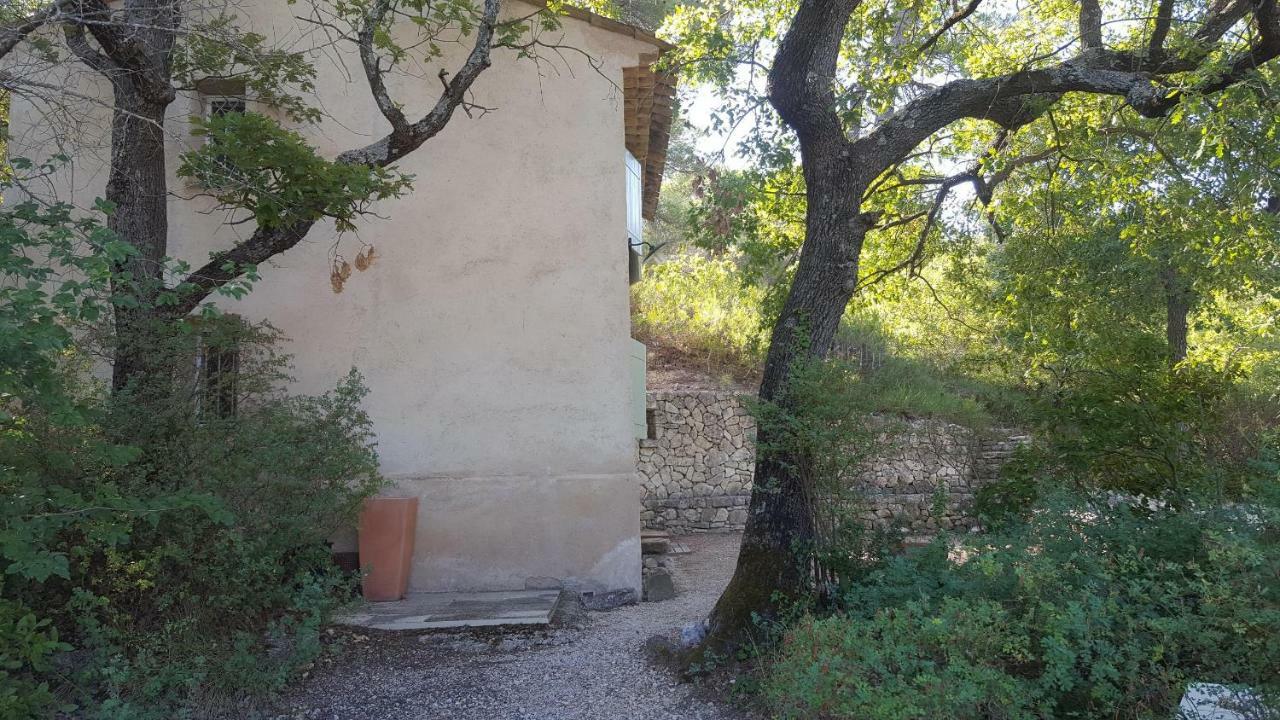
pixel 386 546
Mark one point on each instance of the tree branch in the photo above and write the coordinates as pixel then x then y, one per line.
pixel 392 147
pixel 265 243
pixel 131 58
pixel 1160 32
pixel 373 68
pixel 802 80
pixel 955 19
pixel 1247 61
pixel 913 260
pixel 1222 16
pixel 983 187
pixel 78 42
pixel 1090 24
pixel 1096 71
pixel 14 33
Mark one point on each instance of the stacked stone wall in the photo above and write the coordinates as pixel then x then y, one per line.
pixel 696 467
pixel 924 474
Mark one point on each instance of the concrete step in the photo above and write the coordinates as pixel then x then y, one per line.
pixel 435 611
pixel 655 542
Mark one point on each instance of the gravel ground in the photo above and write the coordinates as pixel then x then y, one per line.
pixel 596 670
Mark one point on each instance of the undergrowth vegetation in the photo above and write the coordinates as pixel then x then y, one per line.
pixel 702 309
pixel 159 552
pixel 1078 602
pixel 1102 587
pixel 1086 608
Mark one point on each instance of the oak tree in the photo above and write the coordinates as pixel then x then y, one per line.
pixel 874 97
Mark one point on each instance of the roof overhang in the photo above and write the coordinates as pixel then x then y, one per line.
pixel 648 100
pixel 647 107
pixel 611 25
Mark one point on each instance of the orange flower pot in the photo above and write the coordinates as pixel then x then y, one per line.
pixel 386 546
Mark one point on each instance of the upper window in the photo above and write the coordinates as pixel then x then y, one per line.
pixel 220 96
pixel 220 105
pixel 221 171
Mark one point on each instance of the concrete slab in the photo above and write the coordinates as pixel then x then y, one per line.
pixel 434 611
pixel 1211 701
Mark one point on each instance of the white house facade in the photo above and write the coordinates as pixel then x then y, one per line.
pixel 493 328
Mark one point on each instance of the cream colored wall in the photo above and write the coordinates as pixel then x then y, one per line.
pixel 493 329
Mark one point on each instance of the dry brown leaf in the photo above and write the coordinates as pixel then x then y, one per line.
pixel 362 262
pixel 335 281
pixel 344 269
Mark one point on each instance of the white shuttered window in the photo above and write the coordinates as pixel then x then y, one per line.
pixel 635 225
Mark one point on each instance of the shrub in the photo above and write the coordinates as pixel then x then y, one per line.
pixel 27 648
pixel 1085 610
pixel 831 417
pixel 194 561
pixel 155 548
pixel 817 429
pixel 1139 428
pixel 705 308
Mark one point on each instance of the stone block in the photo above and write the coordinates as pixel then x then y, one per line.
pixel 608 600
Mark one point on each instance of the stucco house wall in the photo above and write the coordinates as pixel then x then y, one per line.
pixel 493 329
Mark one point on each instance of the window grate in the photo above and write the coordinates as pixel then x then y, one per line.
pixel 221 172
pixel 217 375
pixel 226 105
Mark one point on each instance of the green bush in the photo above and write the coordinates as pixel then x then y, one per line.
pixel 27 647
pixel 832 416
pixel 160 549
pixel 194 563
pixel 1137 425
pixel 1021 482
pixel 703 307
pixel 182 573
pixel 1083 611
pixel 817 429
pixel 1141 428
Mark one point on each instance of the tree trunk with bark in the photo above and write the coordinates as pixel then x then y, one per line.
pixel 138 190
pixel 1177 298
pixel 773 564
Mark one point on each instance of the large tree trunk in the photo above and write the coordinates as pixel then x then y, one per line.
pixel 138 189
pixel 1177 298
pixel 774 564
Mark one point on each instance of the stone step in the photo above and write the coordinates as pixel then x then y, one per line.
pixel 655 542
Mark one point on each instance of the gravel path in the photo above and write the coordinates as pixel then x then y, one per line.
pixel 598 670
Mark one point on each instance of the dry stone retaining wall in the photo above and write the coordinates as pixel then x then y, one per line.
pixel 697 465
pixel 925 466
